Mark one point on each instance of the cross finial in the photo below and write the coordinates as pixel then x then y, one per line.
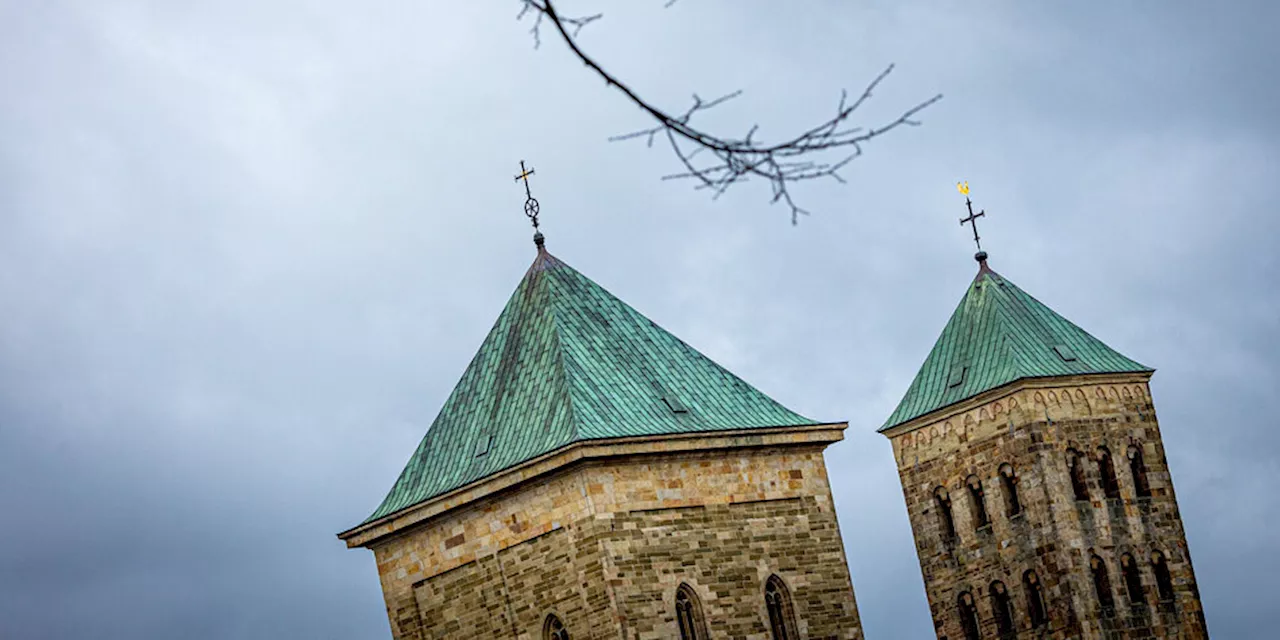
pixel 972 220
pixel 530 203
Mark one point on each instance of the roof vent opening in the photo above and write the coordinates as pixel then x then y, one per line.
pixel 957 375
pixel 1064 352
pixel 674 404
pixel 482 447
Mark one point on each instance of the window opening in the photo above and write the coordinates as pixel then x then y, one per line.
pixel 1132 581
pixel 1102 585
pixel 1002 608
pixel 689 614
pixel 1009 486
pixel 1076 469
pixel 968 616
pixel 1139 472
pixel 1035 599
pixel 777 598
pixel 976 496
pixel 1107 470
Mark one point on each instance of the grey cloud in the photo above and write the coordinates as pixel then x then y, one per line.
pixel 247 248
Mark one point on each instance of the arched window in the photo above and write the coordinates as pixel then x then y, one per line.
pixel 1002 609
pixel 1139 472
pixel 968 616
pixel 946 525
pixel 978 500
pixel 553 629
pixel 1076 469
pixel 689 614
pixel 1102 585
pixel 1132 581
pixel 1164 583
pixel 1107 470
pixel 1035 599
pixel 782 619
pixel 1009 486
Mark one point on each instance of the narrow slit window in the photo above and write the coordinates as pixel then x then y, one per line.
pixel 483 444
pixel 946 524
pixel 1035 599
pixel 1002 609
pixel 1102 586
pixel 1139 472
pixel 1132 580
pixel 978 499
pixel 968 616
pixel 1009 487
pixel 1107 470
pixel 1076 469
pixel 1164 582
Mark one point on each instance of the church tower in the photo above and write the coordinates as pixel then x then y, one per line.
pixel 1036 481
pixel 592 476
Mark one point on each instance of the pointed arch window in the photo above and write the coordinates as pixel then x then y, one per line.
pixel 1002 609
pixel 1164 582
pixel 1132 581
pixel 1102 586
pixel 968 616
pixel 553 629
pixel 1009 487
pixel 782 621
pixel 1107 470
pixel 689 614
pixel 1139 472
pixel 1035 599
pixel 946 523
pixel 978 499
pixel 1076 469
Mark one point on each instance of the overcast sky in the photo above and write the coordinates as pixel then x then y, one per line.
pixel 247 247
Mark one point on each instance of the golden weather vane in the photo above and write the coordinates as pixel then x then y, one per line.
pixel 963 188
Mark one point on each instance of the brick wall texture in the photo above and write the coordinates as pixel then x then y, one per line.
pixel 603 545
pixel 1036 430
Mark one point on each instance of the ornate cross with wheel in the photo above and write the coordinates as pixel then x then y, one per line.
pixel 530 203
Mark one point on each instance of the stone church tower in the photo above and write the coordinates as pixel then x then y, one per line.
pixel 1036 481
pixel 592 476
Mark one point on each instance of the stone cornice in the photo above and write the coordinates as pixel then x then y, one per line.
pixel 986 397
pixel 794 436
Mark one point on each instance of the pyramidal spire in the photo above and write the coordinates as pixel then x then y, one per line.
pixel 566 361
pixel 998 335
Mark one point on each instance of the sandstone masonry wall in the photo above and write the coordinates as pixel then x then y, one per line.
pixel 1034 429
pixel 604 545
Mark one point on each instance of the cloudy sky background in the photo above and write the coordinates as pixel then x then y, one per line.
pixel 247 248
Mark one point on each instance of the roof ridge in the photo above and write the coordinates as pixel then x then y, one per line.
pixel 574 426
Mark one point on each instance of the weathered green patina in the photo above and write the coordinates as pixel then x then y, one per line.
pixel 567 362
pixel 998 335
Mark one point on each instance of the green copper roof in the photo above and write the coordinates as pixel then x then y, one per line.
pixel 997 335
pixel 565 362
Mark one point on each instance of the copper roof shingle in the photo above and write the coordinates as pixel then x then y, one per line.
pixel 567 361
pixel 998 335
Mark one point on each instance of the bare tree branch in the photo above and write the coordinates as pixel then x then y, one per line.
pixel 805 156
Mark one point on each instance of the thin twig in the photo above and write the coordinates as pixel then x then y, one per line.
pixel 736 160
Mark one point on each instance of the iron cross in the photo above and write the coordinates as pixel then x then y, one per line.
pixel 973 217
pixel 530 203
